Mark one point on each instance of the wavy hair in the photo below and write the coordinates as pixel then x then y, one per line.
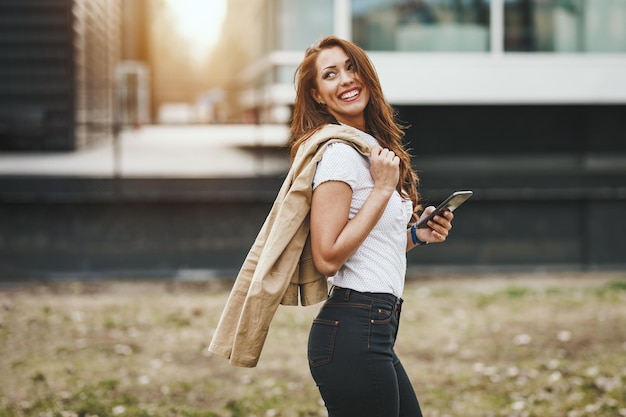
pixel 380 117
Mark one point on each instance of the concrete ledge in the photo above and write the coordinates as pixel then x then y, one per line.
pixel 49 189
pixel 576 186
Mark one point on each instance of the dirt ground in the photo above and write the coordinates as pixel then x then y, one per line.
pixel 497 344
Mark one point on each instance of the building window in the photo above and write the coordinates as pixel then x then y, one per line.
pixel 302 22
pixel 565 26
pixel 284 74
pixel 426 25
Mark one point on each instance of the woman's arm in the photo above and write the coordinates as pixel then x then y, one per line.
pixel 334 238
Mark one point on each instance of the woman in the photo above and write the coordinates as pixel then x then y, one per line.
pixel 360 210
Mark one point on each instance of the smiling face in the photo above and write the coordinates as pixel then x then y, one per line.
pixel 340 88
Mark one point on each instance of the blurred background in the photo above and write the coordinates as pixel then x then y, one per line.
pixel 147 138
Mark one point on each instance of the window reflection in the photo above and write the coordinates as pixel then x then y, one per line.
pixel 426 25
pixel 302 22
pixel 565 25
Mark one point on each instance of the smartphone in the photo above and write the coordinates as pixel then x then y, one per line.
pixel 451 203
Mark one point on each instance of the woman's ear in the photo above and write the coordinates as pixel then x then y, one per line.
pixel 316 96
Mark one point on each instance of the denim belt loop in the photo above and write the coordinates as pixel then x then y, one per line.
pixel 399 306
pixel 346 296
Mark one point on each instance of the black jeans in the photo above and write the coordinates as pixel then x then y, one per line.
pixel 352 360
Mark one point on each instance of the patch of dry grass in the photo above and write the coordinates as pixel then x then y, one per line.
pixel 494 345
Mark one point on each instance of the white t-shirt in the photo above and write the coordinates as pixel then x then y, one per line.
pixel 379 264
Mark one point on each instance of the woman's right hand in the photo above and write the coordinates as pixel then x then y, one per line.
pixel 385 168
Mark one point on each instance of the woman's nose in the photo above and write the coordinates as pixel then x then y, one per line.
pixel 346 77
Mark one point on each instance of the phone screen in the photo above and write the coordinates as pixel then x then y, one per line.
pixel 451 203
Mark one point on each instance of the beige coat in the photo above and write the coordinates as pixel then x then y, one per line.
pixel 280 261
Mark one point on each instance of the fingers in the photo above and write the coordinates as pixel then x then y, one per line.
pixel 428 210
pixel 440 225
pixel 444 220
pixel 384 155
pixel 385 168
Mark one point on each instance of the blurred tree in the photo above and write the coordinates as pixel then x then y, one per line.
pixel 177 75
pixel 224 67
pixel 180 76
pixel 241 44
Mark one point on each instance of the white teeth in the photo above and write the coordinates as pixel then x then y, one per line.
pixel 350 94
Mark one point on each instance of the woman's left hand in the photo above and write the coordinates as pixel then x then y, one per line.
pixel 438 227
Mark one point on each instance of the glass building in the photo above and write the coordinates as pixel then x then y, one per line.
pixel 456 51
pixel 523 101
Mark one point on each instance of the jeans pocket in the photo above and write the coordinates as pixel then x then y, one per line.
pixel 381 315
pixel 322 341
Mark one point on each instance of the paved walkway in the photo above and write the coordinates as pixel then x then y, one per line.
pixel 213 151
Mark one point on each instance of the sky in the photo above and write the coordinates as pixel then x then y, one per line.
pixel 199 21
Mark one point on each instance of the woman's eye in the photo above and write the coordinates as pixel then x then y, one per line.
pixel 329 74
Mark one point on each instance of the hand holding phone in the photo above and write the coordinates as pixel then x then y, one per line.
pixel 453 201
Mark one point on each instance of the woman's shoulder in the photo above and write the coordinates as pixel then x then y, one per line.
pixel 335 139
pixel 339 132
pixel 342 151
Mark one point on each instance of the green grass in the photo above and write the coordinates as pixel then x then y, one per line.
pixel 487 346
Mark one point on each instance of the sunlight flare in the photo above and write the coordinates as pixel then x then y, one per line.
pixel 199 21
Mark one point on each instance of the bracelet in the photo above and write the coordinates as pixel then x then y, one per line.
pixel 414 238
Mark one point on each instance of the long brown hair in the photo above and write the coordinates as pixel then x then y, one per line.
pixel 380 121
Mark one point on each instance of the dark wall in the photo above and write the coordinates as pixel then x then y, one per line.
pixel 64 226
pixel 577 234
pixel 127 239
pixel 549 184
pixel 162 228
pixel 150 239
pixel 515 129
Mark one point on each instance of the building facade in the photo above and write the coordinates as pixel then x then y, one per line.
pixel 439 52
pixel 57 60
pixel 523 101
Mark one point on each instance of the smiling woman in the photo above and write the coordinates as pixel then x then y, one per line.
pixel 199 21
